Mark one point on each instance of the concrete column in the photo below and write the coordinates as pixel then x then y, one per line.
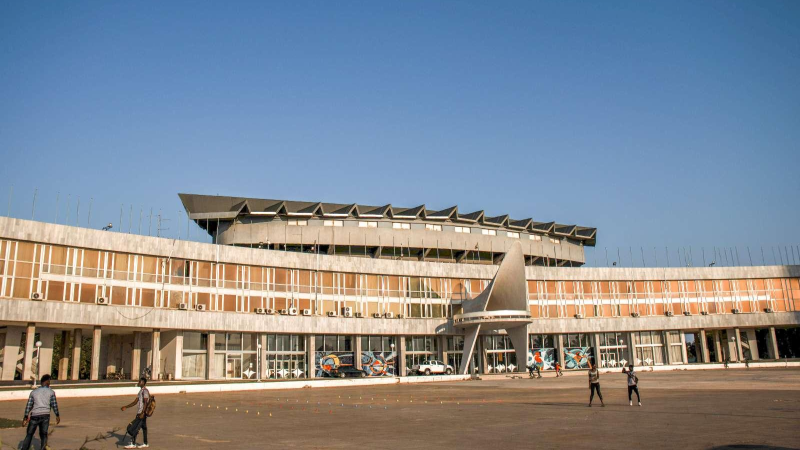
pixel 482 354
pixel 666 348
pixel 211 370
pixel 27 362
pixel 357 352
pixel 738 344
pixel 718 346
pixel 401 356
pixel 311 348
pixel 752 341
pixel 136 356
pixel 77 340
pixel 63 363
pixel 155 354
pixel 179 355
pixel 46 335
pixel 631 350
pixel 442 345
pixel 684 353
pixel 560 350
pixel 703 347
pixel 772 344
pixel 596 349
pixel 262 338
pixel 11 352
pixel 97 341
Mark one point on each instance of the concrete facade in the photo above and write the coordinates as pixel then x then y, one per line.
pixel 129 338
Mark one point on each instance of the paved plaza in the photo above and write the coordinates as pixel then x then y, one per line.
pixel 682 409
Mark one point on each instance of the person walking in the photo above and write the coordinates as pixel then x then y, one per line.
pixel 633 385
pixel 37 412
pixel 142 399
pixel 594 383
pixel 558 370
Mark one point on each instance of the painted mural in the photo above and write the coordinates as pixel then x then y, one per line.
pixel 325 362
pixel 543 358
pixel 378 364
pixel 577 357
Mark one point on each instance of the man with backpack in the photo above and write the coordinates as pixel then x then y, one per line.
pixel 145 406
pixel 633 385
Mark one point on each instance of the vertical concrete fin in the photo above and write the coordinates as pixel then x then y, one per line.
pixel 519 339
pixel 470 339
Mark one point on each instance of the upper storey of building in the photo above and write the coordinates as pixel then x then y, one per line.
pixel 386 231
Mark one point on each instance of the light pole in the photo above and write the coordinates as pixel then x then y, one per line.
pixel 396 363
pixel 258 360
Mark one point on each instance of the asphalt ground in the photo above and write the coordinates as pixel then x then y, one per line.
pixel 747 408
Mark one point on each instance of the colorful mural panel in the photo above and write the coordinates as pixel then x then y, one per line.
pixel 543 358
pixel 378 364
pixel 325 362
pixel 577 358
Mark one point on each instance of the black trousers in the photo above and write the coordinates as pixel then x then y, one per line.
pixel 43 423
pixel 631 390
pixel 595 387
pixel 142 427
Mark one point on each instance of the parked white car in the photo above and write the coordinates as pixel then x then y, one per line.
pixel 432 367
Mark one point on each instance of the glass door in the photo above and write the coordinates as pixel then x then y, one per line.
pixel 233 367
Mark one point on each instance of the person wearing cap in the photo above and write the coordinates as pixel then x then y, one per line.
pixel 37 412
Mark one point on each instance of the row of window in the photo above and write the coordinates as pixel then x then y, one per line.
pixel 429 227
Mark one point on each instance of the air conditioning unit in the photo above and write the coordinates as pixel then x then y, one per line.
pixel 668 314
pixel 347 311
pixel 769 310
pixel 102 301
pixel 37 296
pixel 401 316
pixel 284 312
pixel 292 311
pixel 579 316
pixel 183 306
pixel 332 314
pixel 704 313
pixel 306 312
pixel 271 311
pixel 736 310
pixel 389 315
pixel 200 307
pixel 261 311
pixel 376 315
pixel 360 315
pixel 634 314
pixel 687 313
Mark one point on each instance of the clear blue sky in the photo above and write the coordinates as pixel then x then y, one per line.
pixel 660 123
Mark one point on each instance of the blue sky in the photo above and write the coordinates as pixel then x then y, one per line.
pixel 659 123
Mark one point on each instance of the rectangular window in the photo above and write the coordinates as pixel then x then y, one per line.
pixel 534 237
pixel 333 223
pixel 432 227
pixel 488 232
pixel 369 224
pixel 463 230
pixel 298 223
pixel 511 234
pixel 401 226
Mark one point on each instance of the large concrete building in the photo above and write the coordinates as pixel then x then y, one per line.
pixel 296 289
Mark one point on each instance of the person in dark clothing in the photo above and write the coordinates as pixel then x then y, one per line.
pixel 141 401
pixel 633 385
pixel 594 383
pixel 37 412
